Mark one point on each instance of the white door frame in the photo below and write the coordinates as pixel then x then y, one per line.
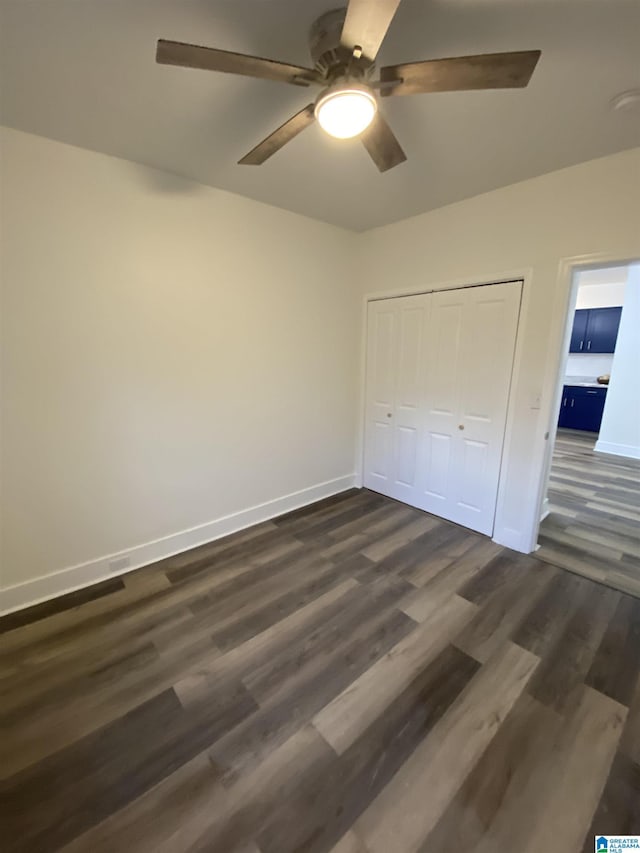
pixel 519 275
pixel 564 305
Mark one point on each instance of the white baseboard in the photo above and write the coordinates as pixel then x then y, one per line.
pixel 76 577
pixel 628 450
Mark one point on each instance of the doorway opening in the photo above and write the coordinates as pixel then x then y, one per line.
pixel 591 508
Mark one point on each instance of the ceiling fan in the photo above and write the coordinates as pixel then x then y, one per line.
pixel 343 44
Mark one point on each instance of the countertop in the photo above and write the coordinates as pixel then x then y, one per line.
pixel 582 383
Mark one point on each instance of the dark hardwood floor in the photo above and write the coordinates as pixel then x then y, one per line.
pixel 593 527
pixel 354 677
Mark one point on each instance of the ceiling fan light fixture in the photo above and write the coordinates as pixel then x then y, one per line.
pixel 344 44
pixel 346 111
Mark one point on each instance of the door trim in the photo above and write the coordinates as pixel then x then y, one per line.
pixel 502 534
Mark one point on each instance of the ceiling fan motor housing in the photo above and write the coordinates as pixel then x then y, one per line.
pixel 328 55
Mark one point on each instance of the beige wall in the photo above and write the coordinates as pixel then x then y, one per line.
pixel 171 354
pixel 179 361
pixel 588 210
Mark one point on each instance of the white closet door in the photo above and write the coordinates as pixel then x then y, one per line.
pixel 470 358
pixel 394 395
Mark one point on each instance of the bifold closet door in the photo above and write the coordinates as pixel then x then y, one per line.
pixel 438 377
pixel 469 362
pixel 395 395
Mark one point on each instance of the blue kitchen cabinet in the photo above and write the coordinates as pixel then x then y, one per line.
pixel 582 408
pixel 579 331
pixel 595 329
pixel 602 329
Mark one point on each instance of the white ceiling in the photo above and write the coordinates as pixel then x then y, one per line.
pixel 83 72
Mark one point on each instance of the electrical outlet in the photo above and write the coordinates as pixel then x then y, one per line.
pixel 119 564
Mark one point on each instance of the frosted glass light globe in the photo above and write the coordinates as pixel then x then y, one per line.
pixel 345 112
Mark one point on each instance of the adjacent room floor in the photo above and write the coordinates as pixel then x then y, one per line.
pixel 593 527
pixel 355 677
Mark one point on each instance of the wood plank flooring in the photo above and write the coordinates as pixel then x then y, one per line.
pixel 593 527
pixel 353 677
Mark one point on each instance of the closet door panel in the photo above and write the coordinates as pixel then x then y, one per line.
pixel 395 388
pixel 444 354
pixel 442 378
pixel 383 355
pixel 406 448
pixel 381 452
pixel 489 335
pixel 382 322
pixel 407 415
pixel 467 390
pixel 409 379
pixel 437 463
pixel 473 475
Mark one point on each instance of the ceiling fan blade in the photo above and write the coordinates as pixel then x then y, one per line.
pixel 211 59
pixel 486 71
pixel 382 145
pixel 275 141
pixel 366 25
